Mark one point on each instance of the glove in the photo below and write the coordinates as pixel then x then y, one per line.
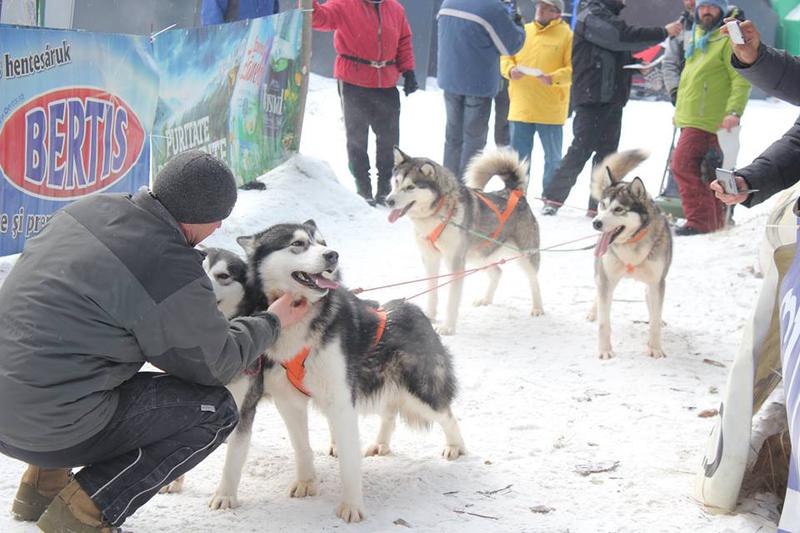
pixel 673 96
pixel 410 82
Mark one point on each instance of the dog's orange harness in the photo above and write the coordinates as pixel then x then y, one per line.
pixel 633 240
pixel 503 217
pixel 437 231
pixel 296 367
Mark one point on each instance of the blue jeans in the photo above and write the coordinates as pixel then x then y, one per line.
pixel 550 135
pixel 162 428
pixel 466 131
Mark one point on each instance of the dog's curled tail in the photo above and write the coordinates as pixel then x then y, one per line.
pixel 615 167
pixel 503 162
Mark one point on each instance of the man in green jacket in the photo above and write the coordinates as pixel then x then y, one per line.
pixel 112 282
pixel 711 95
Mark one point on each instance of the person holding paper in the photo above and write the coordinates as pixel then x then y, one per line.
pixel 540 76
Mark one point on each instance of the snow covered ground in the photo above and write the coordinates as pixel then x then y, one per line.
pixel 535 402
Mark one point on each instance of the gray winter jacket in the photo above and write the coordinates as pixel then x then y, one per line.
pixel 111 283
pixel 778 74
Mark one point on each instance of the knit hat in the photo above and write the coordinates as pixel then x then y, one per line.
pixel 196 188
pixel 721 4
pixel 558 4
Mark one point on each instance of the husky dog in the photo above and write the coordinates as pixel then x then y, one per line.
pixel 359 359
pixel 635 243
pixel 463 224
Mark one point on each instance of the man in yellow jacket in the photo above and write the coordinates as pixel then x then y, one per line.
pixel 540 76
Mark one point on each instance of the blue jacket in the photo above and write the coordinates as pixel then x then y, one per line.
pixel 219 11
pixel 473 34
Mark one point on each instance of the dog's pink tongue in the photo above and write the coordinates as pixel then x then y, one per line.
pixel 323 282
pixel 394 214
pixel 602 244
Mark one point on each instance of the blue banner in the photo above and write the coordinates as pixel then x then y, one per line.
pixel 233 90
pixel 76 109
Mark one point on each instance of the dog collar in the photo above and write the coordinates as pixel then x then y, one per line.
pixel 637 236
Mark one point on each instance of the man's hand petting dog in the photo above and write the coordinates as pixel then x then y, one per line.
pixel 289 310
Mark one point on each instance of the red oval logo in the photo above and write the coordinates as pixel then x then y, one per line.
pixel 69 143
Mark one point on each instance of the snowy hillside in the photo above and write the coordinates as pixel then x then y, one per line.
pixel 535 402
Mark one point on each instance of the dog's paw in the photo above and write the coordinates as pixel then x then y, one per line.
pixel 453 451
pixel 174 487
pixel 606 354
pixel 445 330
pixel 537 311
pixel 332 450
pixel 222 501
pixel 301 489
pixel 655 353
pixel 591 316
pixel 350 512
pixel 480 302
pixel 377 449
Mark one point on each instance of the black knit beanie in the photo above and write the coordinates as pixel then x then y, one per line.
pixel 196 188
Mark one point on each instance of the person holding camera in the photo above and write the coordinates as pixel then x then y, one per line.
pixel 711 95
pixel 373 46
pixel 777 168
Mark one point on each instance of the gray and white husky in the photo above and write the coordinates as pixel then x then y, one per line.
pixel 350 368
pixel 635 243
pixel 452 222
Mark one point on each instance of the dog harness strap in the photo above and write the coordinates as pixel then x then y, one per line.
pixel 437 231
pixel 296 370
pixel 381 326
pixel 503 217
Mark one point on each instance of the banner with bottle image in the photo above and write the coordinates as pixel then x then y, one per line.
pixel 232 90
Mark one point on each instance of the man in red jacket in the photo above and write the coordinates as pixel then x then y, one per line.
pixel 373 42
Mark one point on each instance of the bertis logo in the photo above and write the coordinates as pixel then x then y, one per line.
pixel 69 143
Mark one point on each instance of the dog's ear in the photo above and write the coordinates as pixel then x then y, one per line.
pixel 399 156
pixel 637 188
pixel 247 242
pixel 427 170
pixel 310 222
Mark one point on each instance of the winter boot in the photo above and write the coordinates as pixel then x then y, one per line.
pixel 72 511
pixel 364 188
pixel 36 490
pixel 384 189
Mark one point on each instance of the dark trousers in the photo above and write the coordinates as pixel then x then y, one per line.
pixel 502 131
pixel 466 131
pixel 701 208
pixel 379 109
pixel 162 428
pixel 596 129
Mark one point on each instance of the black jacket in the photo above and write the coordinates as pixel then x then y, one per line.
pixel 778 74
pixel 602 44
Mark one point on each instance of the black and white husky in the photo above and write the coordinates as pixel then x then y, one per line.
pixel 460 224
pixel 358 360
pixel 635 243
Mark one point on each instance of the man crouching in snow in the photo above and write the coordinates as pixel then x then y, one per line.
pixel 113 282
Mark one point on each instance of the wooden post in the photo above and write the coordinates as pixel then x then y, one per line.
pixel 307 7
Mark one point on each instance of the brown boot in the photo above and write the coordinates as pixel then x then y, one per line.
pixel 72 511
pixel 36 490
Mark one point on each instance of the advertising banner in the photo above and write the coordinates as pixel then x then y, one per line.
pixel 233 90
pixel 76 110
